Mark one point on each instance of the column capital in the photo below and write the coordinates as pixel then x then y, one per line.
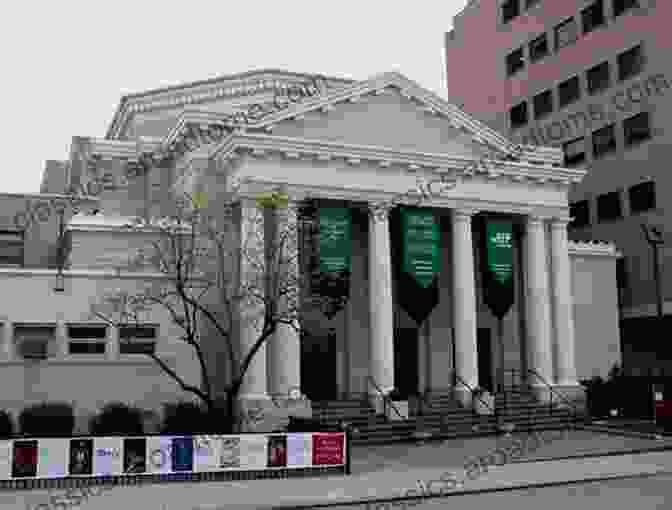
pixel 463 213
pixel 380 210
pixel 536 219
pixel 560 222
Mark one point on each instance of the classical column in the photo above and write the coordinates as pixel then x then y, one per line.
pixel 381 360
pixel 538 314
pixel 7 351
pixel 563 316
pixel 283 349
pixel 61 339
pixel 464 301
pixel 112 348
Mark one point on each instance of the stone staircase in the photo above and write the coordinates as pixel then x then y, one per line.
pixel 441 416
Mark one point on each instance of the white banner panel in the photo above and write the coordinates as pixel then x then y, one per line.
pixel 52 458
pixel 5 460
pixel 159 458
pixel 108 458
pixel 253 451
pixel 229 456
pixel 207 452
pixel 299 450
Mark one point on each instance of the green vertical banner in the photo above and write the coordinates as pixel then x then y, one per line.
pixel 498 267
pixel 420 263
pixel 335 239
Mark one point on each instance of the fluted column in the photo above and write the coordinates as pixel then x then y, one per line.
pixel 112 348
pixel 61 339
pixel 563 316
pixel 7 351
pixel 381 360
pixel 464 301
pixel 537 301
pixel 283 349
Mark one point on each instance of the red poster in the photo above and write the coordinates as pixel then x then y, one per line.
pixel 328 448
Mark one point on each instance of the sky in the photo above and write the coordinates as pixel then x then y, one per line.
pixel 66 64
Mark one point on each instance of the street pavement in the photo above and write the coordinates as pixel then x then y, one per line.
pixel 388 472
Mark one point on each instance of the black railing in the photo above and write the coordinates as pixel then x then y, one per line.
pixel 386 398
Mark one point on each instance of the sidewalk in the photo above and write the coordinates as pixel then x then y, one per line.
pixel 383 476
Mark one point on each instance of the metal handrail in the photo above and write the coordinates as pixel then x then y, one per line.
pixel 386 398
pixel 464 383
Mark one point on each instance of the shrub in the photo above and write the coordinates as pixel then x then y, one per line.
pixel 186 418
pixel 117 419
pixel 6 425
pixel 48 419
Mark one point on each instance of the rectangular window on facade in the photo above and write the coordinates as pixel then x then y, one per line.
pixel 580 213
pixel 137 339
pixel 598 78
pixel 621 278
pixel 569 91
pixel 642 197
pixel 514 62
pixel 565 34
pixel 87 339
pixel 630 63
pixel 593 16
pixel 539 48
pixel 543 104
pixel 575 152
pixel 11 248
pixel 35 342
pixel 621 6
pixel 637 128
pixel 604 141
pixel 609 206
pixel 510 9
pixel 518 115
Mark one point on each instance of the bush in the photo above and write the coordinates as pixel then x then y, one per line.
pixel 187 418
pixel 48 419
pixel 117 419
pixel 6 425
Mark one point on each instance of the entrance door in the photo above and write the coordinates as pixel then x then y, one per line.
pixel 318 366
pixel 406 361
pixel 484 346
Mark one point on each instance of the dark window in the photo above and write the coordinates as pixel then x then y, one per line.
pixel 543 104
pixel 598 77
pixel 569 91
pixel 11 248
pixel 637 128
pixel 620 6
pixel 565 34
pixel 580 213
pixel 531 3
pixel 609 206
pixel 630 63
pixel 134 339
pixel 593 16
pixel 575 152
pixel 34 341
pixel 604 141
pixel 514 62
pixel 621 278
pixel 539 48
pixel 86 332
pixel 518 115
pixel 510 9
pixel 86 347
pixel 642 197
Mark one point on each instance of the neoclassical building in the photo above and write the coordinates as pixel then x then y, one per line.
pixel 360 147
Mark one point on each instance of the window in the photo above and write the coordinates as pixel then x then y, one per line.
pixel 630 63
pixel 543 104
pixel 609 206
pixel 518 115
pixel 35 342
pixel 11 248
pixel 510 9
pixel 135 339
pixel 642 197
pixel 598 78
pixel 621 278
pixel 604 141
pixel 565 34
pixel 569 91
pixel 538 48
pixel 87 339
pixel 531 3
pixel 514 62
pixel 580 213
pixel 637 128
pixel 593 16
pixel 575 152
pixel 620 6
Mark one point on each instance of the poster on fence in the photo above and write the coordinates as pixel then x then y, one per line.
pixel 253 451
pixel 135 455
pixel 52 458
pixel 108 459
pixel 328 448
pixel 159 458
pixel 207 453
pixel 277 450
pixel 24 457
pixel 299 450
pixel 229 457
pixel 183 454
pixel 5 460
pixel 81 457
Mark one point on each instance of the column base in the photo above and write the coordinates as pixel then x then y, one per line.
pixel 296 405
pixel 464 397
pixel 377 401
pixel 256 414
pixel 567 396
